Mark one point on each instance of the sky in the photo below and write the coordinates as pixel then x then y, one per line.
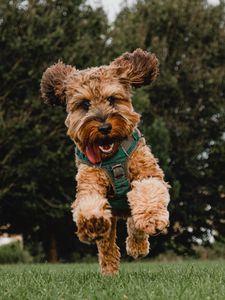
pixel 112 7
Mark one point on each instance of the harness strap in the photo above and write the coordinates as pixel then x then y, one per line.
pixel 116 169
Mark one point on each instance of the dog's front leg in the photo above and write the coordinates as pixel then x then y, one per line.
pixel 148 200
pixel 137 244
pixel 91 210
pixel 149 196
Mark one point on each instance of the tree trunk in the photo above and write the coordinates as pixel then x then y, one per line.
pixel 52 248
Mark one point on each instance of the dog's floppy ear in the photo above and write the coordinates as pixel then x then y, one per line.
pixel 137 68
pixel 53 84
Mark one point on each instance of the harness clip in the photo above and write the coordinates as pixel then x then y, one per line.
pixel 118 171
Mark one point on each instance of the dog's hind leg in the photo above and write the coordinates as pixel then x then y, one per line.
pixel 108 252
pixel 137 244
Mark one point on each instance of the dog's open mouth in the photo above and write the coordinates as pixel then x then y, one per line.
pixel 96 152
pixel 107 149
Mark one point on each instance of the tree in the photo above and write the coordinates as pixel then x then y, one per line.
pixel 183 118
pixel 36 162
pixel 182 113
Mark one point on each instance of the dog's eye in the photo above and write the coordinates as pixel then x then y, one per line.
pixel 111 100
pixel 85 104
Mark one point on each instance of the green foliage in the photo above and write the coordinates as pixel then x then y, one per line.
pixel 192 280
pixel 36 161
pixel 36 250
pixel 216 251
pixel 183 116
pixel 158 136
pixel 140 100
pixel 76 257
pixel 13 254
pixel 184 120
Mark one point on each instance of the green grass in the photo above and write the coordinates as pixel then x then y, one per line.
pixel 140 280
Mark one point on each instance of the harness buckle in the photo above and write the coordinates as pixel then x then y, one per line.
pixel 118 171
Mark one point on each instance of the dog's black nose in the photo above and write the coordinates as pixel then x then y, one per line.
pixel 105 128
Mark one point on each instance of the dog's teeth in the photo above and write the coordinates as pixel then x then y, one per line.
pixel 110 148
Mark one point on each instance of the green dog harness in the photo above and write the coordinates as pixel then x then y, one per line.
pixel 116 169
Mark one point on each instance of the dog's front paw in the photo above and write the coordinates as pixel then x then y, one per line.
pixel 152 222
pixel 93 218
pixel 92 229
pixel 137 248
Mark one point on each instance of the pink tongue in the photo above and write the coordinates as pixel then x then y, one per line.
pixel 93 154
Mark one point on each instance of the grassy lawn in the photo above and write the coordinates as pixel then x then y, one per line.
pixel 138 280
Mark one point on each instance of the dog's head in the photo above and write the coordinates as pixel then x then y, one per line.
pixel 98 100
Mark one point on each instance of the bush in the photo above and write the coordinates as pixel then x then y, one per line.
pixel 77 257
pixel 13 253
pixel 215 251
pixel 36 251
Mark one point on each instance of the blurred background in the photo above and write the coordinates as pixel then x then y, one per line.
pixel 183 119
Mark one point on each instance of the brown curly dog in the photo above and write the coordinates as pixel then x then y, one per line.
pixel 117 173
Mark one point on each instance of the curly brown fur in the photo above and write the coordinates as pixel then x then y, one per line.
pixel 109 254
pixel 137 68
pixel 100 116
pixel 137 244
pixel 52 83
